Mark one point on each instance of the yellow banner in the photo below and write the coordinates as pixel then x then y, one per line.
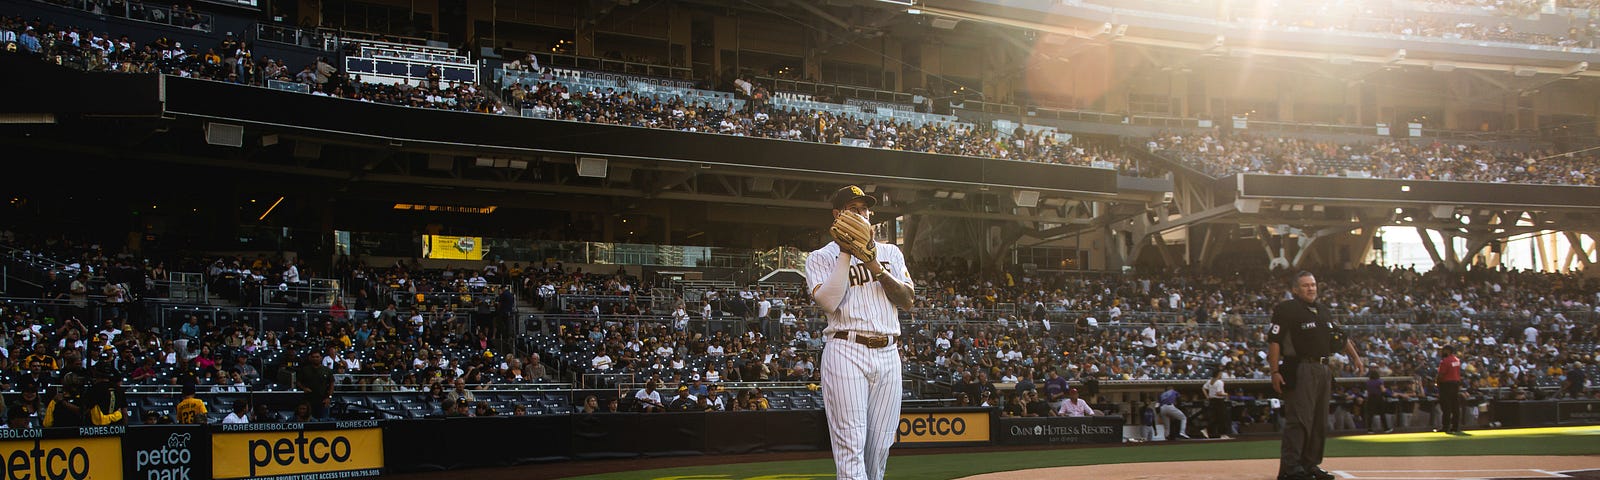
pixel 74 458
pixel 920 427
pixel 452 248
pixel 264 454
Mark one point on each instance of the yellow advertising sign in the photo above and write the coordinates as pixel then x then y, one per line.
pixel 265 454
pixel 449 247
pixel 66 458
pixel 923 427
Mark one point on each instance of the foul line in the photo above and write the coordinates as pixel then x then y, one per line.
pixel 1350 474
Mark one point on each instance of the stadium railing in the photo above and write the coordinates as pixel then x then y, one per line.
pixel 840 90
pixel 287 35
pixel 143 12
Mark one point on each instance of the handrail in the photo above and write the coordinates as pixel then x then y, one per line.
pixel 141 12
pixel 291 36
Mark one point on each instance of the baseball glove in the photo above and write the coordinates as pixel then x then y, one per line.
pixel 854 236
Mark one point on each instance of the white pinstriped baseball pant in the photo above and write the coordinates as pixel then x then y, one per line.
pixel 861 397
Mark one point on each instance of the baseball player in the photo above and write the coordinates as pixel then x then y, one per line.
pixel 859 283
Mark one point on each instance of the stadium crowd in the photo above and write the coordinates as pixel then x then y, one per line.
pixel 231 60
pixel 1218 154
pixel 1010 328
pixel 401 334
pixel 550 98
pixel 1450 19
pixel 1521 334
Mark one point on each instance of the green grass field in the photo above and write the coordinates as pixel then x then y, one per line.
pixel 907 464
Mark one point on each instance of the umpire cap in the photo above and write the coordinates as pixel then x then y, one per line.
pixel 852 192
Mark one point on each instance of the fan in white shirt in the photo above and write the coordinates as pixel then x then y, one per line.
pixel 240 414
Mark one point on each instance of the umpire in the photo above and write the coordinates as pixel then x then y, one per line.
pixel 1303 337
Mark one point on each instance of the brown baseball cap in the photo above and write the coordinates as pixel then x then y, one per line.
pixel 851 192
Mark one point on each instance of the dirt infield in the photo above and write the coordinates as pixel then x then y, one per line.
pixel 1349 468
pixel 1353 468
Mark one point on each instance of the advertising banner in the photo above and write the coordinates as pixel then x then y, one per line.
pixel 298 451
pixel 166 452
pixel 944 426
pixel 1059 430
pixel 1577 411
pixel 61 452
pixel 452 247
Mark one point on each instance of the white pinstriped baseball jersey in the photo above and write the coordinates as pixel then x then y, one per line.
pixel 865 307
pixel 860 384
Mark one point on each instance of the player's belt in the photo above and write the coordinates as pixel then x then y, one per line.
pixel 871 341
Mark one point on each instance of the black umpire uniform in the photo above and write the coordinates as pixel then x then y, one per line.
pixel 1304 337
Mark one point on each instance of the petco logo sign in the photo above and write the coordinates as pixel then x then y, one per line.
pixel 944 427
pixel 168 462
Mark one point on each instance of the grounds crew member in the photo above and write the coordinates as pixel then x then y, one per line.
pixel 1303 337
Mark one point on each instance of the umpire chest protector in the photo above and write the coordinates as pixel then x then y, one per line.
pixel 1305 331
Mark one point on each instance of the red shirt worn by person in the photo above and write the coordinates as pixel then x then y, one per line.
pixel 1450 369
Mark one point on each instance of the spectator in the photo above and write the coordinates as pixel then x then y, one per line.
pixel 1036 406
pixel 684 402
pixel 316 383
pixel 649 399
pixel 1072 406
pixel 240 413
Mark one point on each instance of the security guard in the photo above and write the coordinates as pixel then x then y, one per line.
pixel 1303 336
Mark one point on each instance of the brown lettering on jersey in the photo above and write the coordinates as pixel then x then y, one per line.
pixel 859 275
